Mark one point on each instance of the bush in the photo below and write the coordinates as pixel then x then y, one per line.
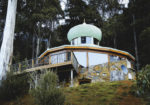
pixel 143 80
pixel 46 92
pixel 13 86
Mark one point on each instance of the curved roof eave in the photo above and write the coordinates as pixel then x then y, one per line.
pixel 89 47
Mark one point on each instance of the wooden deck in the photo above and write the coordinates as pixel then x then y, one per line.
pixel 44 67
pixel 32 65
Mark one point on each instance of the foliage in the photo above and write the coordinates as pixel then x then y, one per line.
pixel 36 19
pixel 144 49
pixel 104 93
pixel 40 19
pixel 13 86
pixel 46 93
pixel 143 80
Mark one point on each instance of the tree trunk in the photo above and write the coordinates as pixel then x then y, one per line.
pixel 37 47
pixel 136 48
pixel 33 40
pixel 115 40
pixel 38 41
pixel 8 36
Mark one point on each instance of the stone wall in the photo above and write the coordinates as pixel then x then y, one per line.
pixel 111 71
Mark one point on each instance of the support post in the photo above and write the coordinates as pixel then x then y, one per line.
pixel 71 56
pixel 19 67
pixel 108 62
pixel 36 80
pixel 32 62
pixel 71 82
pixel 49 59
pixel 66 59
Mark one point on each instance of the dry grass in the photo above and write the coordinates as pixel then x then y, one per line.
pixel 104 93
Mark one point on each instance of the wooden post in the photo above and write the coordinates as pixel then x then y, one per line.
pixel 32 62
pixel 71 56
pixel 66 59
pixel 108 62
pixel 19 67
pixel 71 81
pixel 49 59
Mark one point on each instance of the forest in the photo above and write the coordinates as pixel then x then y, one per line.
pixel 37 25
pixel 42 24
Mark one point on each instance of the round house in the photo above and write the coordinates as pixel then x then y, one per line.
pixel 90 61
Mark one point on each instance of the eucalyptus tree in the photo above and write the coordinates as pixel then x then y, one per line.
pixel 95 12
pixel 36 20
pixel 3 9
pixel 41 17
pixel 8 37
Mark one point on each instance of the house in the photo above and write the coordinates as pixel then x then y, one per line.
pixel 84 60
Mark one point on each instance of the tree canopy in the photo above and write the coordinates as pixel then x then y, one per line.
pixel 38 24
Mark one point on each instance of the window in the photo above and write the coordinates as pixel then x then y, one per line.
pixel 73 42
pixel 83 39
pixel 95 41
pixel 68 56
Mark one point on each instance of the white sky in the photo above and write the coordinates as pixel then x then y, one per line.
pixel 121 2
pixel 124 2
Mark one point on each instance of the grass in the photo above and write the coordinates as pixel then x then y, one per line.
pixel 104 93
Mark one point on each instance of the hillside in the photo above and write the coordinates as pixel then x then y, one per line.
pixel 105 93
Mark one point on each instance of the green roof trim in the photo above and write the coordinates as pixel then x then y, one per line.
pixel 84 30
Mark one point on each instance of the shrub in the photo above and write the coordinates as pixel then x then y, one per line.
pixel 143 80
pixel 46 92
pixel 13 86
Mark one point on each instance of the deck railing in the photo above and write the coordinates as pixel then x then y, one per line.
pixel 75 62
pixel 36 62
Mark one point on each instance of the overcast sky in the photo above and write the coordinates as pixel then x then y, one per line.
pixel 121 1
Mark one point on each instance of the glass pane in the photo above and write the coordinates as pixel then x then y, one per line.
pixel 95 41
pixel 83 39
pixel 73 42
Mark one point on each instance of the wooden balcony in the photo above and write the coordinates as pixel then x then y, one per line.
pixel 49 61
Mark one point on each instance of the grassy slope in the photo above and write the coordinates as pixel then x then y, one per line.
pixel 105 93
pixel 108 93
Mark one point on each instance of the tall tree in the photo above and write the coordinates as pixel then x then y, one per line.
pixel 8 37
pixel 37 20
pixel 3 9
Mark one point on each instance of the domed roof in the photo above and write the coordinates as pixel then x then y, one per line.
pixel 84 30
